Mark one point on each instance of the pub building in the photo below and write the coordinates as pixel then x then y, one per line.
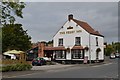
pixel 73 42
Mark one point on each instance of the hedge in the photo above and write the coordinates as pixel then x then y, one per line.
pixel 16 67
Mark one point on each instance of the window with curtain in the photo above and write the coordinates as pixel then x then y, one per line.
pixel 60 42
pixel 96 41
pixel 60 54
pixel 76 54
pixel 77 41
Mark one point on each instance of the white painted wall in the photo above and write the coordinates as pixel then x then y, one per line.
pixel 69 40
pixel 94 47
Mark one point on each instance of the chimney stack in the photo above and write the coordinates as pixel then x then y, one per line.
pixel 41 46
pixel 70 17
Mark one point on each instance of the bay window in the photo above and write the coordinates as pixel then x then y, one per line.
pixel 76 54
pixel 60 54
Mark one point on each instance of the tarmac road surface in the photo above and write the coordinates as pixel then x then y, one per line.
pixel 109 70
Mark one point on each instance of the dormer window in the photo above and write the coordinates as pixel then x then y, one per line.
pixel 70 27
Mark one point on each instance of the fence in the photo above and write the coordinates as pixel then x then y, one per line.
pixel 9 61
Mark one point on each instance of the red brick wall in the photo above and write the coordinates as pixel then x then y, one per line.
pixel 41 46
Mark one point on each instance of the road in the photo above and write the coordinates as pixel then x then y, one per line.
pixel 109 70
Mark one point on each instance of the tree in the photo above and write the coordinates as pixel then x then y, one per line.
pixel 9 10
pixel 49 43
pixel 109 49
pixel 117 46
pixel 112 48
pixel 14 37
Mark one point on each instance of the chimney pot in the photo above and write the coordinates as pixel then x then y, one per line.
pixel 70 17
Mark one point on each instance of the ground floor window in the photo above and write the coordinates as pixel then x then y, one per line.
pixel 77 54
pixel 60 54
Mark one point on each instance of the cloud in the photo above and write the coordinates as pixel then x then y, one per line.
pixel 70 0
pixel 43 19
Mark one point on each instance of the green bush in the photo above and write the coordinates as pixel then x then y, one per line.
pixel 13 67
pixel 20 67
pixel 28 67
pixel 16 67
pixel 6 68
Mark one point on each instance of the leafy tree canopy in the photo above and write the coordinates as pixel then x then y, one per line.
pixel 8 10
pixel 14 37
pixel 112 48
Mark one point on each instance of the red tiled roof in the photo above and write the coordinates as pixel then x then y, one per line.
pixel 77 47
pixel 55 48
pixel 87 27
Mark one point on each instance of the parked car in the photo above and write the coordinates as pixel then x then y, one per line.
pixel 38 61
pixel 112 56
pixel 117 55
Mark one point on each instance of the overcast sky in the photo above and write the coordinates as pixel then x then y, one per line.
pixel 42 20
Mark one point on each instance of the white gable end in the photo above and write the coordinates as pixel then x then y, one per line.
pixel 69 34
